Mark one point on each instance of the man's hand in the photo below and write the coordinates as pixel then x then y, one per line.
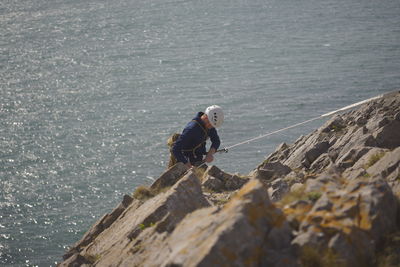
pixel 189 165
pixel 210 155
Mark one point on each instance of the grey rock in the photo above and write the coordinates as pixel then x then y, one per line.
pixel 279 189
pixel 312 237
pixel 359 168
pixel 355 249
pixel 235 182
pixel 159 214
pixel 213 183
pixel 377 122
pixel 233 235
pixel 315 152
pixel 320 163
pixel 170 176
pixel 386 165
pixel 397 116
pixel 388 136
pixel 323 203
pixel 217 180
pixel 352 156
pixel 271 170
pixel 101 225
pixel 296 187
pixel 336 123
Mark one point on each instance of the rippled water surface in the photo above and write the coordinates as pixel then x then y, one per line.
pixel 91 90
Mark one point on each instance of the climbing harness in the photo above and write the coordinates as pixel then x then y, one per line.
pixel 226 149
pixel 172 139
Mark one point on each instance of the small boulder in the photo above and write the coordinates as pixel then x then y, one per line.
pixel 278 189
pixel 336 123
pixel 272 170
pixel 388 136
pixel 388 163
pixel 213 183
pixel 170 176
pixel 311 155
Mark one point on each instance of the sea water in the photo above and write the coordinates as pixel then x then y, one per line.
pixel 92 89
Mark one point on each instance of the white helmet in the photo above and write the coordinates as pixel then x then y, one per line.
pixel 215 115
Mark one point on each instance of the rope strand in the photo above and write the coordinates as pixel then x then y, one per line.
pixel 307 121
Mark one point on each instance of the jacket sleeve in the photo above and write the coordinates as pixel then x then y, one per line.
pixel 215 142
pixel 180 143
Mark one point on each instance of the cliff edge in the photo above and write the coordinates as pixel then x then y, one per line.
pixel 329 199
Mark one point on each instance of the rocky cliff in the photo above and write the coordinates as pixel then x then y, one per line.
pixel 329 199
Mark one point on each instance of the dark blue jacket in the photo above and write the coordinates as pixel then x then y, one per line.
pixel 191 144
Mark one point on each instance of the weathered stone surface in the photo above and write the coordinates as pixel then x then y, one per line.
pixel 233 235
pixel 271 170
pixel 217 180
pixel 161 214
pixel 352 156
pixel 355 247
pixel 389 162
pixel 397 116
pixel 359 168
pixel 281 153
pixel 170 176
pixel 213 183
pixel 296 187
pixel 104 223
pixel 352 219
pixel 312 154
pixel 278 189
pixel 336 123
pixel 320 163
pixel 388 136
pixel 235 182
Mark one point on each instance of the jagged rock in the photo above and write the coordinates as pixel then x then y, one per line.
pixel 320 163
pixel 280 153
pixel 279 251
pixel 389 135
pixel 296 159
pixel 354 137
pixel 397 116
pixel 323 203
pixel 336 123
pixel 104 223
pixel 385 165
pixel 321 183
pixel 367 160
pixel 235 182
pixel 271 170
pixel 233 235
pixel 170 176
pixel 278 189
pixel 217 180
pixel 76 260
pixel 213 183
pixel 296 187
pixel 355 247
pixel 161 213
pixel 377 123
pixel 359 212
pixel 312 237
pixel 311 155
pixel 352 156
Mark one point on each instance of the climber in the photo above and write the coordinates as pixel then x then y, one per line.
pixel 190 146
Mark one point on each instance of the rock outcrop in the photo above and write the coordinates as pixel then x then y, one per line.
pixel 329 199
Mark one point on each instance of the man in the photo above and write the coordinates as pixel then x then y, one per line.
pixel 190 146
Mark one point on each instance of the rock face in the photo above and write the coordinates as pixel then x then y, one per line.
pixel 329 199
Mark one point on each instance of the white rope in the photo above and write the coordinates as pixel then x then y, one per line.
pixel 304 122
